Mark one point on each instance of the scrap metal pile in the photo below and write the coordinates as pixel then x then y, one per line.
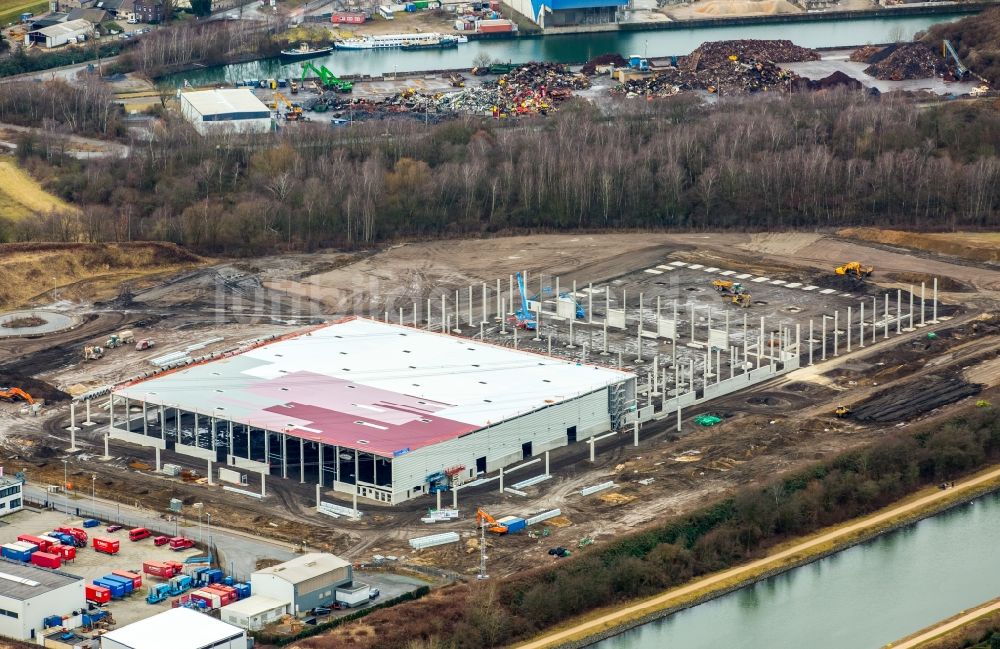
pixel 905 61
pixel 530 89
pixel 729 67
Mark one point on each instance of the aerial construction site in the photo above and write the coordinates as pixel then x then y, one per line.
pixel 553 390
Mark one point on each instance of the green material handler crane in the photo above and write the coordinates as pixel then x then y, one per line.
pixel 327 78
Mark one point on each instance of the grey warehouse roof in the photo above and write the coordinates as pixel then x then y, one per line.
pixel 70 27
pixel 23 582
pixel 225 100
pixel 306 567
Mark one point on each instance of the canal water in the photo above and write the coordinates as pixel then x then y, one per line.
pixel 572 48
pixel 862 598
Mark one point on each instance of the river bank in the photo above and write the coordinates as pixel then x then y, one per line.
pixel 575 48
pixel 954 628
pixel 604 624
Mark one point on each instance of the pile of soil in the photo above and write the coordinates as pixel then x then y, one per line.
pixel 21 323
pixel 907 401
pixel 37 389
pixel 944 283
pixel 909 61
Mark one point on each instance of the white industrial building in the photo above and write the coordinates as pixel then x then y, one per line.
pixel 11 496
pixel 392 411
pixel 255 612
pixel 71 31
pixel 177 628
pixel 225 109
pixel 29 594
pixel 306 582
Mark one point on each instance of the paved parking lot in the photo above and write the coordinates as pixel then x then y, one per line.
pixel 389 585
pixel 90 564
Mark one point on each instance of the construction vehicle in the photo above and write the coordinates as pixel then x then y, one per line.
pixel 293 85
pixel 10 394
pixel 948 49
pixel 842 412
pixel 726 286
pixel 523 318
pixel 158 593
pixel 327 78
pixel 739 299
pixel 292 111
pixel 126 337
pixel 93 352
pixel 456 80
pixel 113 341
pixel 854 269
pixel 483 519
pixel 144 344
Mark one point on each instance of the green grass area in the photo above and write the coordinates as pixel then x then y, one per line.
pixel 11 10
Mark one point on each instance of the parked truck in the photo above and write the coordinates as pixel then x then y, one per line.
pixel 144 344
pixel 79 536
pixel 181 543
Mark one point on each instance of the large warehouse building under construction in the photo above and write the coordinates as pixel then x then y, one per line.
pixel 390 410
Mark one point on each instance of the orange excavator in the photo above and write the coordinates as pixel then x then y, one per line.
pixel 484 519
pixel 15 393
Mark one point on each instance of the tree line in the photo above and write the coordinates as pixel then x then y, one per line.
pixel 731 531
pixel 829 159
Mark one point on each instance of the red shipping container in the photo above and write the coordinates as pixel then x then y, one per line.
pixel 65 552
pixel 97 594
pixel 493 29
pixel 347 17
pixel 108 546
pixel 226 593
pixel 46 560
pixel 211 599
pixel 127 574
pixel 158 569
pixel 43 545
pixel 176 566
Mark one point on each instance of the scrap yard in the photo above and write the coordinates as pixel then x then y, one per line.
pixel 723 68
pixel 710 363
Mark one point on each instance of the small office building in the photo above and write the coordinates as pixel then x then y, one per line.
pixel 255 612
pixel 29 595
pixel 11 495
pixel 306 582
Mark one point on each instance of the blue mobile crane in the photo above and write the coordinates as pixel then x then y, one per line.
pixel 523 318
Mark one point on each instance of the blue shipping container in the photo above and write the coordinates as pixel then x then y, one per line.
pixel 514 525
pixel 52 620
pixel 124 581
pixel 15 553
pixel 91 522
pixel 116 587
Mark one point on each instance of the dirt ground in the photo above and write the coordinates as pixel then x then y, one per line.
pixel 768 428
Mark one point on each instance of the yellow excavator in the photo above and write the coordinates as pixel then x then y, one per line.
pixel 842 412
pixel 739 299
pixel 854 269
pixel 292 111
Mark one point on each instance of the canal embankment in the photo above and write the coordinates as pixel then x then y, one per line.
pixel 973 625
pixel 602 624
